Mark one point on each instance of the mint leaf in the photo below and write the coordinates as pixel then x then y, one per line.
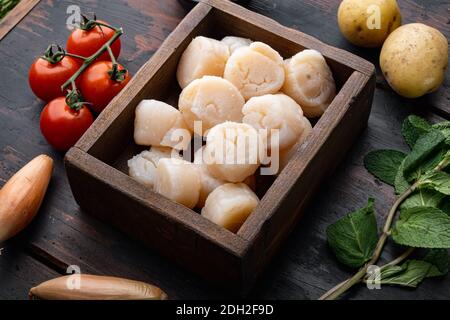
pixel 428 164
pixel 413 127
pixel 440 262
pixel 444 128
pixel 354 237
pixel 410 274
pixel 384 164
pixel 422 153
pixel 423 198
pixel 437 180
pixel 400 183
pixel 422 227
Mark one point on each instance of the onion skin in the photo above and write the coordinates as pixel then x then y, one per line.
pixel 93 287
pixel 22 195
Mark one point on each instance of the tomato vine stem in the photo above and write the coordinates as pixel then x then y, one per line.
pixel 89 60
pixel 74 56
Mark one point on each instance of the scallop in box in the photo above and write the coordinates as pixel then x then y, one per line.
pixel 276 110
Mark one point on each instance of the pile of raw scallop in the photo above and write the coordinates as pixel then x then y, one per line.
pixel 234 88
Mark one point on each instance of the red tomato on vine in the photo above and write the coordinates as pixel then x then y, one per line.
pixel 89 38
pixel 62 125
pixel 100 83
pixel 49 72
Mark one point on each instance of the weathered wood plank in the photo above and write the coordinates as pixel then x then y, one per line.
pixel 15 15
pixel 303 269
pixel 19 272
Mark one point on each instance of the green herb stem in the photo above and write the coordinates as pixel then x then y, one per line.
pixel 347 284
pixel 399 259
pixel 442 165
pixel 344 286
pixel 396 261
pixel 332 290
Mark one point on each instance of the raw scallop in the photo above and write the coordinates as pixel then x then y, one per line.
pixel 309 81
pixel 230 205
pixel 203 56
pixel 208 182
pixel 211 100
pixel 160 124
pixel 255 70
pixel 142 167
pixel 234 43
pixel 179 181
pixel 275 112
pixel 286 155
pixel 231 151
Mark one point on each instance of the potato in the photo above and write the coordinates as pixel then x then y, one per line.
pixel 367 23
pixel 414 59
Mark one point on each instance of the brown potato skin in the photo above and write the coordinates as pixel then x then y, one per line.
pixel 414 59
pixel 353 17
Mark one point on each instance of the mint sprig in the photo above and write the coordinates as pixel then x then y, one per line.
pixel 422 183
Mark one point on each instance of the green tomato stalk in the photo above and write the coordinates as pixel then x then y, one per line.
pixel 74 97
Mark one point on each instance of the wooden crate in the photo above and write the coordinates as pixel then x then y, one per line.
pixel 96 166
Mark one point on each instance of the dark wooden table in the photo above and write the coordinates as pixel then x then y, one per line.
pixel 63 235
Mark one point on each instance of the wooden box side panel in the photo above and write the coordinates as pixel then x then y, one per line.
pixel 196 244
pixel 285 201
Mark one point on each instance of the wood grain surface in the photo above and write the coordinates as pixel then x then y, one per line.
pixel 15 15
pixel 63 235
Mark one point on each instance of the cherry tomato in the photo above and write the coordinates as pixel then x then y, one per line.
pixel 46 78
pixel 97 86
pixel 62 126
pixel 87 42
